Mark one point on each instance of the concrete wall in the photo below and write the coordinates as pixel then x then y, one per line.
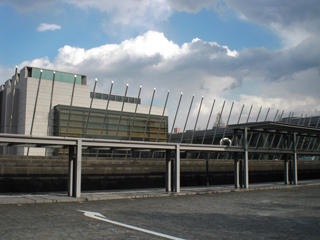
pixel 16 165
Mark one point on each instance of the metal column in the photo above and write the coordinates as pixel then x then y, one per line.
pixel 177 170
pixel 207 172
pixel 236 161
pixel 70 171
pixel 168 171
pixel 245 158
pixel 77 171
pixel 286 169
pixel 295 159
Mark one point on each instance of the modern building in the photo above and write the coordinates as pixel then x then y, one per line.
pixel 45 102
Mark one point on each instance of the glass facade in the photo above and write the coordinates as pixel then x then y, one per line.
pixel 79 116
pixel 48 75
pixel 117 98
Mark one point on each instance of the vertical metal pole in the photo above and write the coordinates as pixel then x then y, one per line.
pixel 70 171
pixel 215 131
pixel 207 172
pixel 241 139
pixel 246 164
pixel 252 132
pixel 175 117
pixel 93 93
pixel 35 108
pixel 195 125
pixel 265 142
pixel 185 124
pixel 265 119
pixel 274 135
pixel 106 112
pixel 124 99
pixel 205 131
pixel 145 129
pixel 72 95
pixel 51 99
pixel 216 128
pixel 164 109
pixel 236 160
pixel 275 116
pixel 286 169
pixel 291 117
pixel 240 114
pixel 258 114
pixel 249 114
pixel 134 116
pixel 225 129
pixel 300 118
pixel 50 107
pixel 177 169
pixel 315 139
pixel 281 115
pixel 302 125
pixel 77 171
pixel 13 95
pixel 135 112
pixel 168 171
pixel 278 145
pixel 105 115
pixel 304 138
pixel 295 159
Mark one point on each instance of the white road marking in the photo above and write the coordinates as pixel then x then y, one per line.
pixel 100 217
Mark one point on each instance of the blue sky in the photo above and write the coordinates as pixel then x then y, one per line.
pixel 261 53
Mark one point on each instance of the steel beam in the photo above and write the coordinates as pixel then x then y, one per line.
pixel 175 117
pixel 123 102
pixel 195 125
pixel 185 124
pixel 93 93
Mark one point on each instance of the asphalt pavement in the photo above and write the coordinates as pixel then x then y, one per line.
pixel 283 212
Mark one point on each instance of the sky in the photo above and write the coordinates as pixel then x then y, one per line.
pixel 260 53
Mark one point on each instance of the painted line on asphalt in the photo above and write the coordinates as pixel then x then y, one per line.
pixel 100 217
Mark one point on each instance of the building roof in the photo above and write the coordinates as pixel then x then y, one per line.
pixel 277 127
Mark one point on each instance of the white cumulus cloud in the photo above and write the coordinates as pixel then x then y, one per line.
pixel 287 79
pixel 48 27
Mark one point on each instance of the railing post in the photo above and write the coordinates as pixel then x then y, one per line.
pixel 177 169
pixel 295 159
pixel 236 160
pixel 77 171
pixel 70 171
pixel 245 160
pixel 168 171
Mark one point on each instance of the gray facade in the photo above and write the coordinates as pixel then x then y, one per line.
pixel 25 88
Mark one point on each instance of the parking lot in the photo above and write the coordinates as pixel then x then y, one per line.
pixel 292 213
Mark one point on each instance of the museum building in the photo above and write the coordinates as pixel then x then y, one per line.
pixel 44 102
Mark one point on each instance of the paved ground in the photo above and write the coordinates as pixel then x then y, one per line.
pixel 281 213
pixel 54 197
